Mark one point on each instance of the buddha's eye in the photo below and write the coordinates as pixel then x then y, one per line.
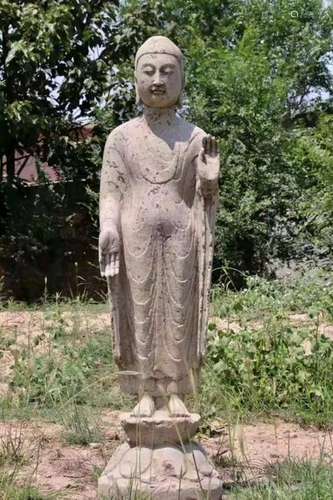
pixel 167 71
pixel 148 70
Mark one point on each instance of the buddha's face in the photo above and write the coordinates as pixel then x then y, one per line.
pixel 159 80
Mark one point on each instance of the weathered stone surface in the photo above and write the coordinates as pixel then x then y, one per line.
pixel 159 185
pixel 160 429
pixel 166 473
pixel 158 197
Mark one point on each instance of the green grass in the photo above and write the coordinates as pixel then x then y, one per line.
pixel 9 490
pixel 269 366
pixel 73 369
pixel 275 369
pixel 310 292
pixel 291 481
pixel 81 426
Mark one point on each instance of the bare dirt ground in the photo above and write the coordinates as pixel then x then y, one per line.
pixel 295 319
pixel 55 467
pixel 72 471
pixel 243 452
pixel 240 451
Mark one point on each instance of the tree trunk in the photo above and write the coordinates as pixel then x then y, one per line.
pixel 10 165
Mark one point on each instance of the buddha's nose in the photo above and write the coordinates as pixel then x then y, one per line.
pixel 157 79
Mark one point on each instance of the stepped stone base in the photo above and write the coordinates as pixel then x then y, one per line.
pixel 166 473
pixel 160 429
pixel 169 468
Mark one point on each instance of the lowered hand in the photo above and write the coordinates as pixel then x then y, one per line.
pixel 108 251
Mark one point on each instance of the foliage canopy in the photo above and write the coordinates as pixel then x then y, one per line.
pixel 258 77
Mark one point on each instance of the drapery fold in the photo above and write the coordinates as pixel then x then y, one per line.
pixel 160 299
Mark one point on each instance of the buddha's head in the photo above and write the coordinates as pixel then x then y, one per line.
pixel 159 73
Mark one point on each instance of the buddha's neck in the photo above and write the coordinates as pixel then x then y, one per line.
pixel 159 118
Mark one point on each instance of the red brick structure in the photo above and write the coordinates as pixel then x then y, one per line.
pixel 29 169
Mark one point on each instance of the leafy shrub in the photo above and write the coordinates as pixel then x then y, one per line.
pixel 274 368
pixel 311 292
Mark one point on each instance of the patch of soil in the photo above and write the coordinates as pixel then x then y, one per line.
pixel 241 451
pixel 25 326
pixel 245 451
pixel 54 466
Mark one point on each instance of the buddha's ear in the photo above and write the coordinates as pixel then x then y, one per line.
pixel 138 100
pixel 179 103
pixel 180 97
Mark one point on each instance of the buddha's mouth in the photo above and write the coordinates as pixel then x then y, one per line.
pixel 158 91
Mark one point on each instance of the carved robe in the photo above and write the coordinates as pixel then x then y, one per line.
pixel 166 226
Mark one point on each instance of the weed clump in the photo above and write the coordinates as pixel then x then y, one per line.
pixel 292 480
pixel 68 372
pixel 273 368
pixel 80 428
pixel 310 292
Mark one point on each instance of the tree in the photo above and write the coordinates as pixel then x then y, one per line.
pixel 50 70
pixel 253 68
pixel 58 65
pixel 59 62
pixel 257 78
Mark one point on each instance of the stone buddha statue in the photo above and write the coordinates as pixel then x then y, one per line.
pixel 158 195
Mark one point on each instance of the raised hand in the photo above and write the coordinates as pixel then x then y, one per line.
pixel 209 159
pixel 108 251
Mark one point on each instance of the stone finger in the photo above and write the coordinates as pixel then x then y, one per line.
pixel 204 144
pixel 102 270
pixel 112 263
pixel 101 255
pixel 102 267
pixel 117 263
pixel 102 263
pixel 108 265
